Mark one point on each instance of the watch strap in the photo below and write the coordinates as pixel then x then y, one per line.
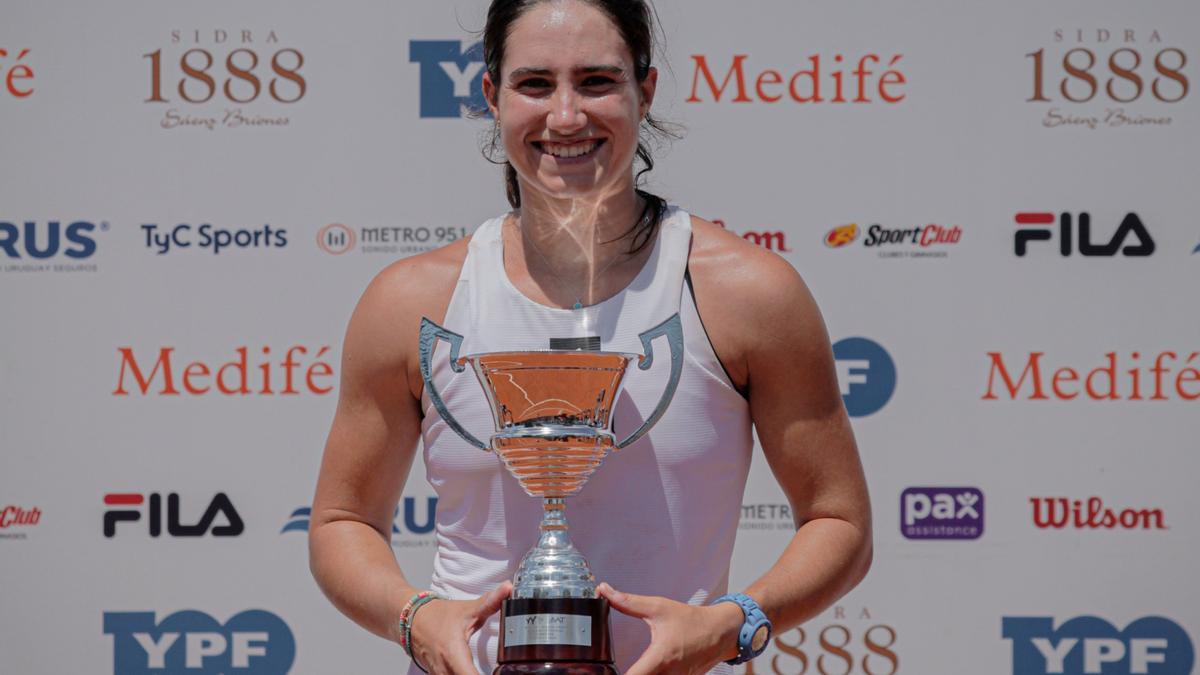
pixel 755 619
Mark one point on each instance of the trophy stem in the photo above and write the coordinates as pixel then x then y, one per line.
pixel 554 516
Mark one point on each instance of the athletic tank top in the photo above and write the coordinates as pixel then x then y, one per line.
pixel 658 517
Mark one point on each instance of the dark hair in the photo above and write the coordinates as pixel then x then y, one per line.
pixel 635 20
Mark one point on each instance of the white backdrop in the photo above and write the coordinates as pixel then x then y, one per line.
pixel 315 120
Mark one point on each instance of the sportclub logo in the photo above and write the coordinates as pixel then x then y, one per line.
pixel 189 642
pixel 866 375
pixel 16 72
pixel 49 246
pixel 1120 377
pixel 1130 239
pixel 211 239
pixel 839 642
pixel 129 507
pixel 451 77
pixel 941 513
pixel 338 238
pixel 410 523
pixel 1100 78
pixel 926 241
pixel 235 78
pixel 16 520
pixel 1092 514
pixel 772 240
pixel 821 78
pixel 244 375
pixel 1090 645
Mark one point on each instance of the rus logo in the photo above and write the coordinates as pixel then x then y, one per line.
pixel 1089 645
pixel 254 642
pixel 300 518
pixel 451 76
pixel 15 241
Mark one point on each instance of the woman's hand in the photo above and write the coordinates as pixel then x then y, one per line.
pixel 441 628
pixel 683 638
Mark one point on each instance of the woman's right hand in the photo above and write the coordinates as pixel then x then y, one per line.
pixel 440 630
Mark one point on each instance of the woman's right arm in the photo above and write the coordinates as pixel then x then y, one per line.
pixel 367 459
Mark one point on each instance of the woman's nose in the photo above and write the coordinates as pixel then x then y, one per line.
pixel 566 115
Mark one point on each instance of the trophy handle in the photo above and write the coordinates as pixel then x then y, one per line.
pixel 672 328
pixel 430 333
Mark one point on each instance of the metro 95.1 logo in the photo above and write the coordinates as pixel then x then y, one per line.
pixel 208 79
pixel 1100 78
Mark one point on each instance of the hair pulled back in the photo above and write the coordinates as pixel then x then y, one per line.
pixel 634 20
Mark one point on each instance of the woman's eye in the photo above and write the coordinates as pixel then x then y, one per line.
pixel 597 81
pixel 534 83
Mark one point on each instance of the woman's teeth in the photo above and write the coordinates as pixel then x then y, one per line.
pixel 569 151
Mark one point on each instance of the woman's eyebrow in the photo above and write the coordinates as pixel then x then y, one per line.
pixel 528 71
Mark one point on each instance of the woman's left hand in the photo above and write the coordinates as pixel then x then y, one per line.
pixel 683 638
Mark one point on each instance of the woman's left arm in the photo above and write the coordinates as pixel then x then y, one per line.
pixel 773 341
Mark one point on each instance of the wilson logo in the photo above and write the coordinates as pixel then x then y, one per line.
pixel 1092 514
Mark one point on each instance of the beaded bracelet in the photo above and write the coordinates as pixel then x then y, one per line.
pixel 406 618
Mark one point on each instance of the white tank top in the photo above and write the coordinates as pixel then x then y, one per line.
pixel 658 517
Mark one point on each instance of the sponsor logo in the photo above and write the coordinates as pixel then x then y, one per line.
pixel 15 72
pixel 1107 78
pixel 51 246
pixel 451 77
pixel 1196 250
pixel 866 374
pixel 163 240
pixel 837 643
pixel 766 517
pixel 224 79
pixel 1112 381
pixel 254 642
pixel 771 240
pixel 842 235
pixel 925 241
pixel 129 507
pixel 1088 645
pixel 238 377
pixel 941 513
pixel 337 238
pixel 15 520
pixel 413 522
pixel 822 79
pixel 1035 226
pixel 1092 514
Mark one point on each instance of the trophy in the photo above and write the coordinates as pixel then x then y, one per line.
pixel 553 415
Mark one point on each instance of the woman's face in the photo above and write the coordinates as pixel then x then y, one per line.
pixel 568 103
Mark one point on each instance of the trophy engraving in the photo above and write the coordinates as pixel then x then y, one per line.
pixel 553 415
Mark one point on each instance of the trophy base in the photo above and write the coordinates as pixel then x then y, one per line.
pixel 554 636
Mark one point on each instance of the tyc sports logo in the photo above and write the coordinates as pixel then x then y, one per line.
pixel 415 525
pixel 1089 645
pixel 866 374
pixel 128 507
pixel 1131 238
pixel 206 237
pixel 941 513
pixel 451 76
pixel 254 642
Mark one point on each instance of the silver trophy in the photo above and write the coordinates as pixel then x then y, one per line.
pixel 553 415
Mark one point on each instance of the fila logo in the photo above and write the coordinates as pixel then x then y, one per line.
pixel 1035 226
pixel 128 508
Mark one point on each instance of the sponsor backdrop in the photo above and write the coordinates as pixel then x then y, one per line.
pixel 995 205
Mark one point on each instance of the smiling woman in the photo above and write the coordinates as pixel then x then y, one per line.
pixel 588 260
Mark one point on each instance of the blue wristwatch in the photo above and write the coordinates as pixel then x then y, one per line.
pixel 756 631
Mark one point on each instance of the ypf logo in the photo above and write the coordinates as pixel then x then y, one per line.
pixel 866 374
pixel 941 513
pixel 128 507
pixel 451 76
pixel 1089 645
pixel 336 238
pixel 254 642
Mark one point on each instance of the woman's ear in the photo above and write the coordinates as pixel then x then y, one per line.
pixel 490 93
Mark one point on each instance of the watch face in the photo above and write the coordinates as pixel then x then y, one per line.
pixel 759 641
